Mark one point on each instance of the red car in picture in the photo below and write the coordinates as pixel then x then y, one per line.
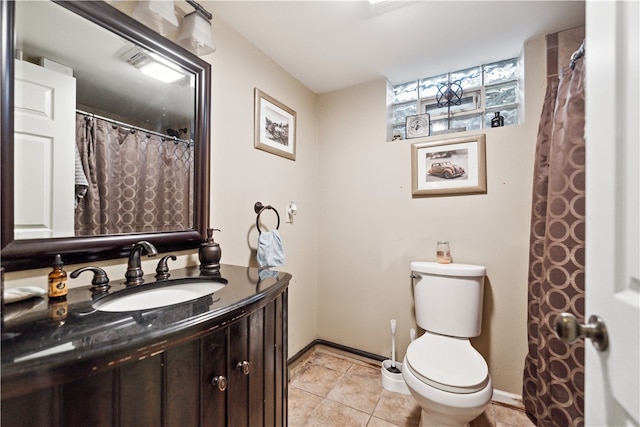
pixel 445 170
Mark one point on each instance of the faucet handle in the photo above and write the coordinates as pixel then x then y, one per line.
pixel 162 270
pixel 100 281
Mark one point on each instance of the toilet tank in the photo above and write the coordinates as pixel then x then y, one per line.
pixel 448 297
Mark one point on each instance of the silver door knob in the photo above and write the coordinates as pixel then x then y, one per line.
pixel 568 329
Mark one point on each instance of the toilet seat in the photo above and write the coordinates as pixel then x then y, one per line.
pixel 447 363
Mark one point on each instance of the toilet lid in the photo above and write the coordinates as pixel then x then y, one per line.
pixel 448 363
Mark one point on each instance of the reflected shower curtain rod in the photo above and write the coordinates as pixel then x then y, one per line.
pixel 137 128
pixel 204 11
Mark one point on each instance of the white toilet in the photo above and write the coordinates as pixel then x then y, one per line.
pixel 445 374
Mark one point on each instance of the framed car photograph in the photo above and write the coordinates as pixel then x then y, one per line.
pixel 448 167
pixel 275 126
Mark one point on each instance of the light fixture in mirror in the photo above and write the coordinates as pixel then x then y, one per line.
pixel 195 34
pixel 153 65
pixel 159 15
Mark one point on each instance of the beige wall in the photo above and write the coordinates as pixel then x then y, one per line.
pixel 358 228
pixel 370 228
pixel 242 175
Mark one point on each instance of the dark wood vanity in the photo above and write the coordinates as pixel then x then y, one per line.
pixel 219 360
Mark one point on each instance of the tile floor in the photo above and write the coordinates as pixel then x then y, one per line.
pixel 331 389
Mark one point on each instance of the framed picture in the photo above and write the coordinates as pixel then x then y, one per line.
pixel 452 166
pixel 275 126
pixel 418 125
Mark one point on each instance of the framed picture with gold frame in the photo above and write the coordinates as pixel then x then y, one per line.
pixel 450 166
pixel 275 126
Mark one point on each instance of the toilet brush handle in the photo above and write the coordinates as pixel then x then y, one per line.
pixel 393 343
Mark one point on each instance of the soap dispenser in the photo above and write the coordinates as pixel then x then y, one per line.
pixel 210 254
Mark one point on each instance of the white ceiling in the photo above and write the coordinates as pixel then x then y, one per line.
pixel 333 44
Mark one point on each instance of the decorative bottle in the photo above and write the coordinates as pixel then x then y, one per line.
pixel 497 121
pixel 443 253
pixel 58 280
pixel 210 254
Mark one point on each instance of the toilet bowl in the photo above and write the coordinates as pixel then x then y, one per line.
pixel 448 377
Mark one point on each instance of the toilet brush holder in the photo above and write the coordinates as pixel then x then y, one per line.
pixel 392 381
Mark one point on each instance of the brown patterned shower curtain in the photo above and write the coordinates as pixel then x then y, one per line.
pixel 138 182
pixel 553 388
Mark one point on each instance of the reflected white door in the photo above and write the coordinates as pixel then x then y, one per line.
pixel 612 385
pixel 44 152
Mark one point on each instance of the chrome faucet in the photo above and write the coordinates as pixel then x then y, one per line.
pixel 134 272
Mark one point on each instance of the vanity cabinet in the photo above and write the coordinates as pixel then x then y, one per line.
pixel 244 373
pixel 228 371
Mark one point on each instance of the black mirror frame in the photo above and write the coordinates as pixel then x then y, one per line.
pixel 36 253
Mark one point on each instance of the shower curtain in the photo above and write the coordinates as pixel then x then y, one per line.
pixel 553 387
pixel 138 182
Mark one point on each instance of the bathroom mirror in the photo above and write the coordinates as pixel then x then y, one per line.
pixel 181 107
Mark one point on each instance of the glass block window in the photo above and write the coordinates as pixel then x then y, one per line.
pixel 487 89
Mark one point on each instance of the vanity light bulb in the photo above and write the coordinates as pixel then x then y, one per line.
pixel 195 34
pixel 158 15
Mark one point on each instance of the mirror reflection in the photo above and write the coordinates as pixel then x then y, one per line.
pixel 102 145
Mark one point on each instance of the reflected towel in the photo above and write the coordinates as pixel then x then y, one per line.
pixel 270 250
pixel 80 179
pixel 266 274
pixel 21 294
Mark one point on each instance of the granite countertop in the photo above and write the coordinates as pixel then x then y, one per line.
pixel 37 334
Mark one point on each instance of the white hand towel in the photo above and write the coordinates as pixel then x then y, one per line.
pixel 270 249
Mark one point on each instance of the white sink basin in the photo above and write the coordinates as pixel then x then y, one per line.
pixel 158 296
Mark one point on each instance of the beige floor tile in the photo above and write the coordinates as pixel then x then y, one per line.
pixel 316 379
pixel 359 388
pixel 295 367
pixel 486 419
pixel 300 405
pixel 336 391
pixel 511 417
pixel 330 413
pixel 377 422
pixel 365 371
pixel 398 409
pixel 332 362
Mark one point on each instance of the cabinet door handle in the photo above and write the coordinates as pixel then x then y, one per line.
pixel 244 366
pixel 220 382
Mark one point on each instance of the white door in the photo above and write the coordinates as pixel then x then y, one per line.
pixel 44 152
pixel 612 384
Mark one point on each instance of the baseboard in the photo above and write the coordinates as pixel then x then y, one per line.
pixel 340 347
pixel 507 399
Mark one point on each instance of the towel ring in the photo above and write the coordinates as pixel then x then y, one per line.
pixel 259 208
